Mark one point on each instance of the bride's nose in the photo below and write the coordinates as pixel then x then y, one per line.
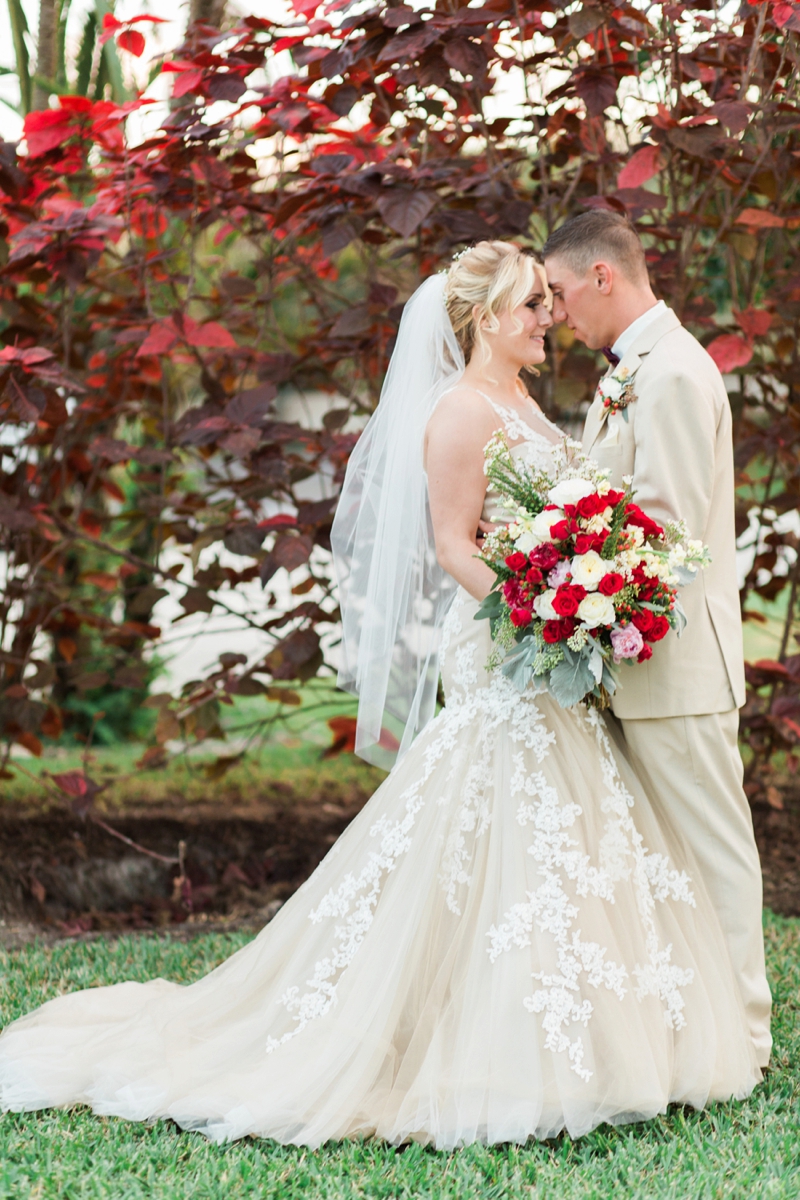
pixel 544 317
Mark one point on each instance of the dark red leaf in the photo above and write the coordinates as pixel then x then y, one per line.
pixel 641 166
pixel 72 783
pixel 187 81
pixel 760 218
pixel 405 211
pixel 132 41
pixel 209 335
pixel 597 88
pixel 160 339
pixel 753 321
pixel 730 352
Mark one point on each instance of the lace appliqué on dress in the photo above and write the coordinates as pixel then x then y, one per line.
pixel 623 856
pixel 495 708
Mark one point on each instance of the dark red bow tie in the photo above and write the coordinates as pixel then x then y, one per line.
pixel 610 355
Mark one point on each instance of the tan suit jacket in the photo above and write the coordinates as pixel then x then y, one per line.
pixel 677 445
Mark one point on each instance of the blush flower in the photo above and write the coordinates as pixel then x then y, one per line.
pixel 627 642
pixel 559 574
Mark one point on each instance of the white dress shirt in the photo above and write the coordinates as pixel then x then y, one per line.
pixel 629 335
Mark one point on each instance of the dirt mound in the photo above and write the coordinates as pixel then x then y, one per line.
pixel 62 876
pixel 66 876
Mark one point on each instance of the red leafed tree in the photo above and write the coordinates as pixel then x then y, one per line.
pixel 158 300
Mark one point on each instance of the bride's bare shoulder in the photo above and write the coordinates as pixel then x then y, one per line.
pixel 464 409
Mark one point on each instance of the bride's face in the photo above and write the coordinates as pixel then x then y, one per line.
pixel 520 337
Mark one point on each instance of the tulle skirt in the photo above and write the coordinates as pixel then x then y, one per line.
pixel 505 943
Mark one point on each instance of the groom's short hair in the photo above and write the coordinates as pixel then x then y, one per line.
pixel 596 235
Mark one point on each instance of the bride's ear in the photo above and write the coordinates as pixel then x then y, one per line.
pixel 478 319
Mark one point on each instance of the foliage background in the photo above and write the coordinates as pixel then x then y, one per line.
pixel 160 298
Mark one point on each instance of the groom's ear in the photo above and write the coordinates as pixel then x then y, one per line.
pixel 603 278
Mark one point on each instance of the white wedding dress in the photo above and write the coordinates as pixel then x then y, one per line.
pixel 505 943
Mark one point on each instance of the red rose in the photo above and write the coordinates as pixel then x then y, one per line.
pixel 635 516
pixel 534 575
pixel 590 506
pixel 568 598
pixel 516 561
pixel 558 631
pixel 645 653
pixel 644 620
pixel 613 498
pixel 520 616
pixel 611 583
pixel 659 629
pixel 545 557
pixel 561 530
pixel 584 542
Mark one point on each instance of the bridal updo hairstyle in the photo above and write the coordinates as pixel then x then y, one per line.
pixel 492 277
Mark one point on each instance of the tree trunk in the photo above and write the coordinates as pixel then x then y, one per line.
pixel 46 53
pixel 210 12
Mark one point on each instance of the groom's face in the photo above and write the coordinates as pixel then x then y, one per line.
pixel 580 301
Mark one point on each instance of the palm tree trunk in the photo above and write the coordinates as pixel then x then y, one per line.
pixel 46 53
pixel 210 12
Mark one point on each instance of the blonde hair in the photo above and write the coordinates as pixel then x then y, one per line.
pixel 491 278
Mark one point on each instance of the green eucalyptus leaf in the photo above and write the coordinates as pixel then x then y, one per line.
pixel 571 680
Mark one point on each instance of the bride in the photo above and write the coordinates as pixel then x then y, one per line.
pixel 505 942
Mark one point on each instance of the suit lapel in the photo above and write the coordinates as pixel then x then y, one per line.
pixel 632 359
pixel 597 415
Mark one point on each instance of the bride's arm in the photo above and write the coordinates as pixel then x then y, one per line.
pixel 454 442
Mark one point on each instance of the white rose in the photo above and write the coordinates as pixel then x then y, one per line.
pixel 612 388
pixel 540 525
pixel 588 569
pixel 596 609
pixel 543 606
pixel 570 491
pixel 537 531
pixel 525 542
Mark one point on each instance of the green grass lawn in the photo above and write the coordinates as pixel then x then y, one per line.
pixel 738 1150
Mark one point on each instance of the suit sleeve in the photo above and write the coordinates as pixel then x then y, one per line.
pixel 675 437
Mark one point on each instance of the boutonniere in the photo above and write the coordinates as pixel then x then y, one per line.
pixel 616 392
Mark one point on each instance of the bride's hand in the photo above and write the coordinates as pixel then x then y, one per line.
pixel 484 527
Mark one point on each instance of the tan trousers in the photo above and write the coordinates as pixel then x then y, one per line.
pixel 692 768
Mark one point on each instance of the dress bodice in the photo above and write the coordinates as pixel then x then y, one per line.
pixel 535 446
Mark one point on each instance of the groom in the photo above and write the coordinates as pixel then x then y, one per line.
pixel 679 710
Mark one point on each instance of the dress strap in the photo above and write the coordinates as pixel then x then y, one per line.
pixel 515 424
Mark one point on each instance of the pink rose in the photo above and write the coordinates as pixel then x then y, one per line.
pixel 627 643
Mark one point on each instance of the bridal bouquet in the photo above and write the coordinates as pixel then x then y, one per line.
pixel 585 579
